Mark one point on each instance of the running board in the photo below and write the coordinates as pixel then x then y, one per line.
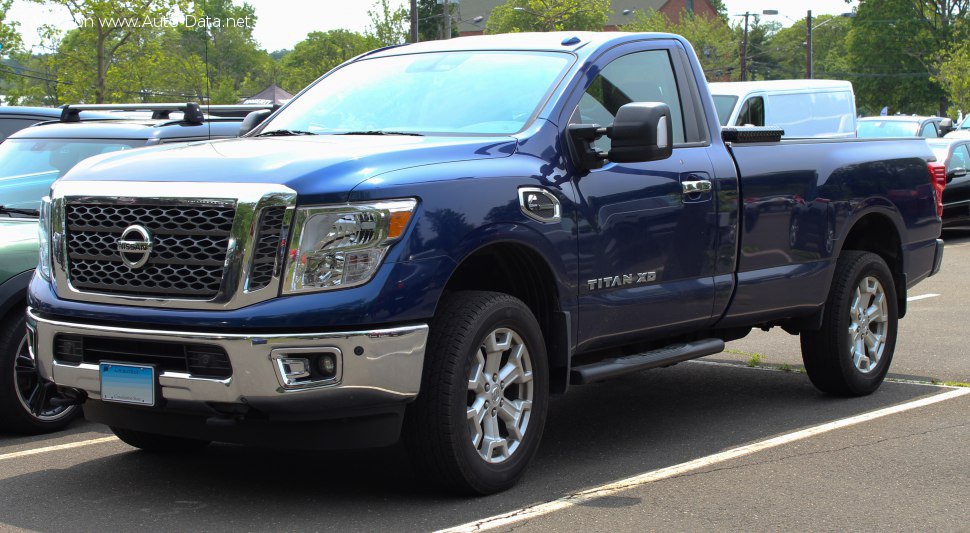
pixel 675 353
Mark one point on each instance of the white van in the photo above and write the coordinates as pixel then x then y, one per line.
pixel 804 108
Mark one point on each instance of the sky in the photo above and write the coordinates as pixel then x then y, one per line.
pixel 283 23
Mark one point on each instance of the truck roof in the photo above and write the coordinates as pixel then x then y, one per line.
pixel 742 88
pixel 559 41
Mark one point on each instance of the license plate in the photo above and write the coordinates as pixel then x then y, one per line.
pixel 128 383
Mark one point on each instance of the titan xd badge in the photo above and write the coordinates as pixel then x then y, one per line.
pixel 619 281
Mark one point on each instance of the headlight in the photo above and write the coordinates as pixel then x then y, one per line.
pixel 44 239
pixel 342 246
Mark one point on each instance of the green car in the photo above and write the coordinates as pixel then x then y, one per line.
pixel 30 161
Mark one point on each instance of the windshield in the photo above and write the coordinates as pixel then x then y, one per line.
pixel 28 167
pixel 449 92
pixel 887 128
pixel 724 105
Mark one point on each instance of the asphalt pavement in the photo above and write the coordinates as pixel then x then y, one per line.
pixel 902 470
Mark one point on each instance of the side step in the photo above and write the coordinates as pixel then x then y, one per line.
pixel 675 353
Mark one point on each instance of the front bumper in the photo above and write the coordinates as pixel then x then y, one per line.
pixel 380 367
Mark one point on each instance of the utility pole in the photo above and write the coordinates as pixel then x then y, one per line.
pixel 744 49
pixel 414 21
pixel 808 46
pixel 447 15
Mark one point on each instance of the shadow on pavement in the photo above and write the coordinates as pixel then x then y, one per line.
pixel 595 434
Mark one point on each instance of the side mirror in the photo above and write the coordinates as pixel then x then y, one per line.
pixel 252 120
pixel 945 126
pixel 641 132
pixel 958 172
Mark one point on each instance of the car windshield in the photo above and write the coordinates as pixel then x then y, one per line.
pixel 485 92
pixel 724 104
pixel 28 167
pixel 887 128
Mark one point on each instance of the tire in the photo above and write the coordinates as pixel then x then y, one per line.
pixel 19 381
pixel 454 432
pixel 838 357
pixel 150 442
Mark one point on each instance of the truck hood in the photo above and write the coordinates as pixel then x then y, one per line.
pixel 321 168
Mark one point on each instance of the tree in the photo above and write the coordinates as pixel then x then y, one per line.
pixel 388 26
pixel 787 48
pixel 548 15
pixel 761 63
pixel 320 52
pixel 900 72
pixel 9 32
pixel 954 77
pixel 104 28
pixel 712 39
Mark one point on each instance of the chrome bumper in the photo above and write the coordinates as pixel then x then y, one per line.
pixel 388 368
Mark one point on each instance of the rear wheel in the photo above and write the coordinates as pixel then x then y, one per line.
pixel 27 403
pixel 151 442
pixel 851 353
pixel 479 416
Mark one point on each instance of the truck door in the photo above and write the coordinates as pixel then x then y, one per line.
pixel 646 244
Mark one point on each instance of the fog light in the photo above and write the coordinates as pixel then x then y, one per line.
pixel 327 365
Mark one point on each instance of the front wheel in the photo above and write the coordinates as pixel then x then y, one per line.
pixel 28 404
pixel 479 416
pixel 851 353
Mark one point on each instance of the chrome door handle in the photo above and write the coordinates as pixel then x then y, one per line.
pixel 694 187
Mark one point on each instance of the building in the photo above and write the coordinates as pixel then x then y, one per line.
pixel 622 11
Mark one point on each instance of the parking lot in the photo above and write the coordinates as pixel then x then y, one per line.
pixel 705 445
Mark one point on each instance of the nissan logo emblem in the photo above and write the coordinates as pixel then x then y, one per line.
pixel 135 246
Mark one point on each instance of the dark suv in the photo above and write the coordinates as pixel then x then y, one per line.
pixel 30 160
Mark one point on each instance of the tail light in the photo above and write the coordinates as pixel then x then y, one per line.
pixel 938 179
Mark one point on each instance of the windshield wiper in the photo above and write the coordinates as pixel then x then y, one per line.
pixel 14 211
pixel 380 132
pixel 283 133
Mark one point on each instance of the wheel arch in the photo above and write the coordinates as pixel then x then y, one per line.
pixel 519 268
pixel 879 232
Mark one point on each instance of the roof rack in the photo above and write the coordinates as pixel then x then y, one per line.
pixel 236 110
pixel 191 112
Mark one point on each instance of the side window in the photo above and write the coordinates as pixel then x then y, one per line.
pixel 637 77
pixel 929 131
pixel 753 112
pixel 959 159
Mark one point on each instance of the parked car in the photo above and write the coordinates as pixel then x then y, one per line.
pixel 903 126
pixel 953 159
pixel 30 161
pixel 562 209
pixel 803 108
pixel 16 118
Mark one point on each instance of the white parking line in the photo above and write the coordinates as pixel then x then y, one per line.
pixel 59 447
pixel 922 297
pixel 578 498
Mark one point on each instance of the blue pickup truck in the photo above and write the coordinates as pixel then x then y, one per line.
pixel 432 239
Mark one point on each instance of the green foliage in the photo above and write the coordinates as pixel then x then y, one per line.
pixel 548 15
pixel 954 76
pixel 225 92
pixel 830 56
pixel 712 39
pixel 320 52
pixel 896 48
pixel 389 26
pixel 9 32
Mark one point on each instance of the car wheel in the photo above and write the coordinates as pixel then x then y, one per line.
pixel 850 355
pixel 26 399
pixel 150 442
pixel 479 417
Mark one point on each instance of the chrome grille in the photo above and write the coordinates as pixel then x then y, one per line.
pixel 187 260
pixel 268 242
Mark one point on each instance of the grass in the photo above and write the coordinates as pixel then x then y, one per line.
pixel 951 383
pixel 755 359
